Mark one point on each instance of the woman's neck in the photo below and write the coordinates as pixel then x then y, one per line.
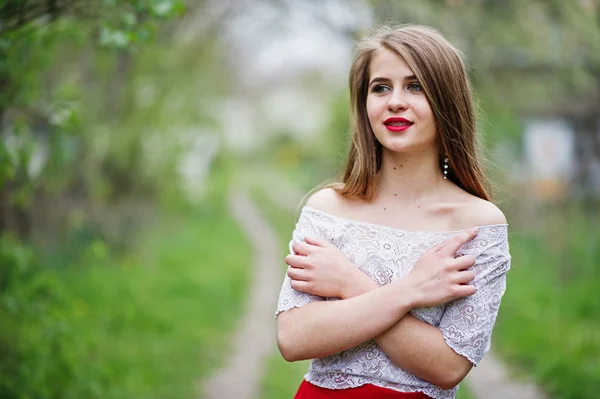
pixel 409 177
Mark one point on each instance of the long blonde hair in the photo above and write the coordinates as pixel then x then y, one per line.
pixel 439 68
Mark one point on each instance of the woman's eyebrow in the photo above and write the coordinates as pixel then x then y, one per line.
pixel 379 80
pixel 385 80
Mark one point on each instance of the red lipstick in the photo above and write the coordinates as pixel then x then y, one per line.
pixel 397 124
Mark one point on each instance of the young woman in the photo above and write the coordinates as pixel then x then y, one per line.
pixel 397 272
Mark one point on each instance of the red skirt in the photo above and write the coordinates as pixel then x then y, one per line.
pixel 311 391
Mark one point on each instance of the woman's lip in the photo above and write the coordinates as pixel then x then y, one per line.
pixel 396 119
pixel 397 128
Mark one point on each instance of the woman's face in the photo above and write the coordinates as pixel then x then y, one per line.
pixel 398 111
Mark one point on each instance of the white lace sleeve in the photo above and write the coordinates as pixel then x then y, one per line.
pixel 468 322
pixel 288 297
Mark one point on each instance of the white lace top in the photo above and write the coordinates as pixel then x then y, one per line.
pixel 386 254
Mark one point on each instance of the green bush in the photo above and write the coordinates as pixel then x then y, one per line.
pixel 149 323
pixel 33 332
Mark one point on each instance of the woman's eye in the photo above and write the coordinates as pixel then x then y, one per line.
pixel 381 88
pixel 414 87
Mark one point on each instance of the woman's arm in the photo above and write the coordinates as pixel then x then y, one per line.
pixel 442 355
pixel 323 328
pixel 320 329
pixel 417 347
pixel 423 349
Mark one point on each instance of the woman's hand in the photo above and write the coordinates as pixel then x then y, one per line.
pixel 318 267
pixel 438 277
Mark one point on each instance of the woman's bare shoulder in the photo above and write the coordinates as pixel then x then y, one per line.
pixel 476 211
pixel 327 200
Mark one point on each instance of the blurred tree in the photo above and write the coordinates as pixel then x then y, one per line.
pixel 97 98
pixel 40 102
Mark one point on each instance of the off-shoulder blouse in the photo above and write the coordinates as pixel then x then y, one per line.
pixel 386 254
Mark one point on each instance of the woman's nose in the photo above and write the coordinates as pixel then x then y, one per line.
pixel 397 102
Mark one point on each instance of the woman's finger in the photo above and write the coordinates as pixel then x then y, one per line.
pixel 300 285
pixel 301 248
pixel 461 290
pixel 436 247
pixel 453 244
pixel 319 242
pixel 464 277
pixel 463 262
pixel 297 274
pixel 298 261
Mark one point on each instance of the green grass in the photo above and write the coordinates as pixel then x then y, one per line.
pixel 157 323
pixel 550 316
pixel 150 324
pixel 281 378
pixel 464 392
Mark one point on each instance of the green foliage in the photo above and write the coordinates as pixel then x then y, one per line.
pixel 126 23
pixel 550 314
pixel 89 307
pixel 50 95
pixel 146 324
pixel 30 297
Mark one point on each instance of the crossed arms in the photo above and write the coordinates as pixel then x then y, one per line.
pixel 368 311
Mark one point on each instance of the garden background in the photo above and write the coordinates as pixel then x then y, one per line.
pixel 127 126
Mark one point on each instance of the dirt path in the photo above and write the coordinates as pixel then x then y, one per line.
pixel 255 335
pixel 491 380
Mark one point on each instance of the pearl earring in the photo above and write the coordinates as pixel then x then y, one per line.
pixel 445 168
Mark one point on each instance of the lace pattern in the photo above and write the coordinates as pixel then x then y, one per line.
pixel 387 254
